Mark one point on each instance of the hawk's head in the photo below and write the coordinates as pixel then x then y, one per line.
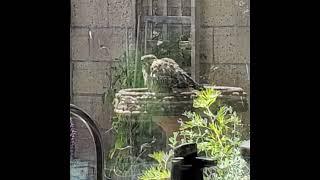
pixel 146 62
pixel 148 59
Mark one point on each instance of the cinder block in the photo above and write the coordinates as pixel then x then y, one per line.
pixel 217 12
pixel 206 45
pixel 121 13
pixel 95 107
pixel 100 13
pixel 107 44
pixel 205 73
pixel 225 12
pixel 79 44
pixel 242 9
pixel 90 77
pixel 174 3
pixel 232 45
pixel 85 148
pixel 81 13
pixel 232 75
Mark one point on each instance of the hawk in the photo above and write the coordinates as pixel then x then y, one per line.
pixel 165 75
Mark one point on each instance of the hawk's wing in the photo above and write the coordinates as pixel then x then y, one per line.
pixel 183 80
pixel 180 77
pixel 171 75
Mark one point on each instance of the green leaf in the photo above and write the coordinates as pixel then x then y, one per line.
pixel 155 173
pixel 158 156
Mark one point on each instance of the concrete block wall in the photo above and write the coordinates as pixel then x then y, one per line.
pixel 225 34
pixel 225 43
pixel 98 36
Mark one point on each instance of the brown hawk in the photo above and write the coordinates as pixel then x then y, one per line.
pixel 165 75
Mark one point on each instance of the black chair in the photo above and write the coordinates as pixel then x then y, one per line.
pixel 78 114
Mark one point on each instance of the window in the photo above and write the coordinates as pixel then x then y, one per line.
pixel 137 66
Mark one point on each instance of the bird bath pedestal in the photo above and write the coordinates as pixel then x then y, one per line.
pixel 166 109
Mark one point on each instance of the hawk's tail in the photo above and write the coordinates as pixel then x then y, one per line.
pixel 195 85
pixel 199 87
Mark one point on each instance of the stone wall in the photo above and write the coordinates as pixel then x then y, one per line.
pixel 98 36
pixel 225 43
pixel 225 34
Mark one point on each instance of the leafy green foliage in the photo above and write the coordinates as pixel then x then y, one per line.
pixel 206 98
pixel 159 157
pixel 217 135
pixel 122 75
pixel 155 173
pixel 160 170
pixel 162 158
pixel 125 154
pixel 173 140
pixel 234 167
pixel 122 155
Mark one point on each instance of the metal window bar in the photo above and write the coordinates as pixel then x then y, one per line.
pixel 78 114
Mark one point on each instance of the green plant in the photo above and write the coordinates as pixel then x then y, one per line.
pixel 122 155
pixel 122 75
pixel 160 170
pixel 234 167
pixel 155 173
pixel 125 154
pixel 216 133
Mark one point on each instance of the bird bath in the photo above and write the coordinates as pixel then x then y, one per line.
pixel 166 109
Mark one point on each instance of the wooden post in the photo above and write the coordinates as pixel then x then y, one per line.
pixel 136 57
pixel 179 13
pixel 145 36
pixel 165 13
pixel 195 28
pixel 127 52
pixel 150 12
